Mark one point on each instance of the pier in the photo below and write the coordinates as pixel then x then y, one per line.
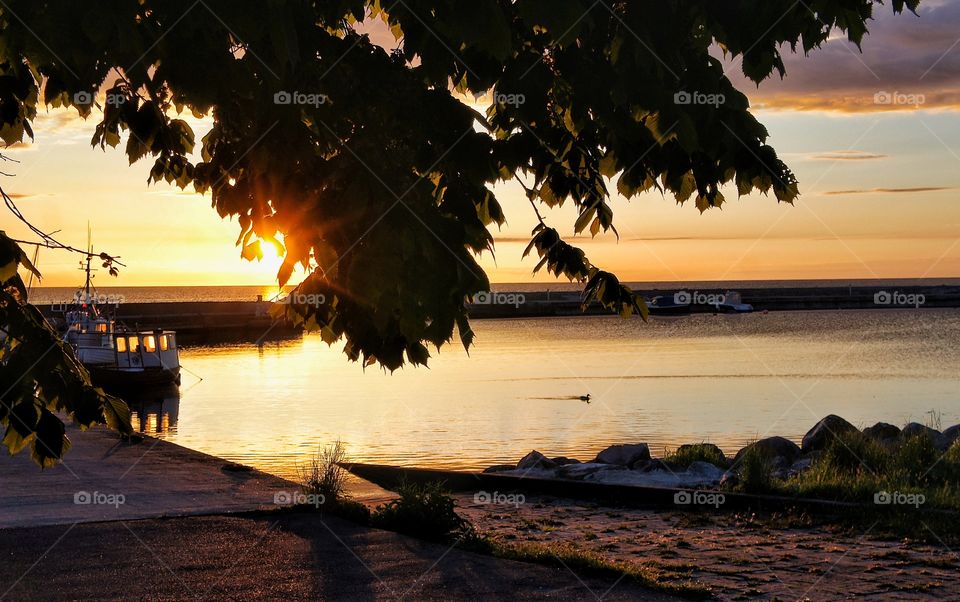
pixel 210 322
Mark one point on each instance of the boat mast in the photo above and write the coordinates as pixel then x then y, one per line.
pixel 87 297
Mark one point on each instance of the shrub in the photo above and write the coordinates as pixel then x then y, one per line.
pixel 424 510
pixel 351 510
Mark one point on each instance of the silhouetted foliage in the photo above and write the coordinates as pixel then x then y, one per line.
pixel 368 169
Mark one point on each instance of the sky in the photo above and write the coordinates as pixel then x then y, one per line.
pixel 874 138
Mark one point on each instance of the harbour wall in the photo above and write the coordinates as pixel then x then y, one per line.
pixel 209 322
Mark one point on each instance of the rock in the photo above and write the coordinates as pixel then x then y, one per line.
pixel 499 468
pixel 915 429
pixel 652 466
pixel 729 480
pixel 705 470
pixel 624 455
pixel 952 434
pixel 563 460
pixel 780 464
pixel 535 460
pixel 799 467
pixel 824 432
pixel 882 431
pixel 580 470
pixel 772 448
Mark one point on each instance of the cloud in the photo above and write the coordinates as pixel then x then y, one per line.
pixel 908 62
pixel 890 190
pixel 847 155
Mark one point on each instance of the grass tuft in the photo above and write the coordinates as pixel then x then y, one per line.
pixel 755 471
pixel 855 467
pixel 323 475
pixel 686 455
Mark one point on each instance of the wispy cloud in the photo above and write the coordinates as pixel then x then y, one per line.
pixel 891 190
pixel 847 155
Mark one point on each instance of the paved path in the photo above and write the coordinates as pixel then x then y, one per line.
pixel 288 557
pixel 53 548
pixel 118 480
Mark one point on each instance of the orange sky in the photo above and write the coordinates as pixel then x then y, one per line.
pixel 880 188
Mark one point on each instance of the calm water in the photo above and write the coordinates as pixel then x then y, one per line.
pixel 722 379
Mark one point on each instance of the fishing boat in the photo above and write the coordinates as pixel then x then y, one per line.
pixel 668 306
pixel 118 357
pixel 733 304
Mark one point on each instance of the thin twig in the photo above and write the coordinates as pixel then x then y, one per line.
pixel 47 240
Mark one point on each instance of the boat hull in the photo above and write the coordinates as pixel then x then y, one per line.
pixel 669 310
pixel 114 378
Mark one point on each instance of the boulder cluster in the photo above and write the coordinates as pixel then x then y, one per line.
pixel 633 464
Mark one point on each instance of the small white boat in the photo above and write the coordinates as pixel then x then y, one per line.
pixel 115 356
pixel 733 304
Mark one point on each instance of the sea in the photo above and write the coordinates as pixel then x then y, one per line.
pixel 723 379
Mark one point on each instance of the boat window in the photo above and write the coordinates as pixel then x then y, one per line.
pixel 101 327
pixel 171 341
pixel 134 344
pixel 121 345
pixel 163 343
pixel 150 344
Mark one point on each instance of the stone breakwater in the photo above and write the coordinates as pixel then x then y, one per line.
pixel 704 465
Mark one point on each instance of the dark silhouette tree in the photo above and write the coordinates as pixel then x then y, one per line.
pixel 365 166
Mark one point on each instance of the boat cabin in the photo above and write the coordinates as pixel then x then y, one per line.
pixel 157 349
